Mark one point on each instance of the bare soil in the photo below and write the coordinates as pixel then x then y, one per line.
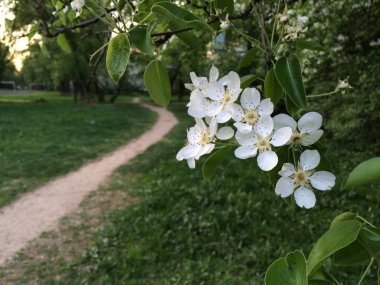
pixel 40 211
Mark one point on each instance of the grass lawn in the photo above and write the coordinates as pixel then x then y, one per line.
pixel 184 230
pixel 40 141
pixel 55 97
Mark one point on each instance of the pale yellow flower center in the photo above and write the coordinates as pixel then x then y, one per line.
pixel 205 138
pixel 226 99
pixel 251 117
pixel 296 138
pixel 301 177
pixel 263 144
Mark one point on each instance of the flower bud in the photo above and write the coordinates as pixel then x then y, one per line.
pixel 225 25
pixel 343 85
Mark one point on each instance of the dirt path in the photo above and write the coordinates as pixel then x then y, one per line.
pixel 40 210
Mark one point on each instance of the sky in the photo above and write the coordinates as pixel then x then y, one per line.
pixel 20 44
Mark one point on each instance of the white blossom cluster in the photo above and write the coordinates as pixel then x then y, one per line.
pixel 294 27
pixel 77 6
pixel 224 112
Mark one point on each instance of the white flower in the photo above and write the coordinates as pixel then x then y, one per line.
pixel 65 9
pixel 343 85
pixel 201 140
pixel 303 179
pixel 225 25
pixel 223 93
pixel 199 105
pixel 306 132
pixel 77 5
pixel 261 139
pixel 196 82
pixel 251 110
pixel 302 20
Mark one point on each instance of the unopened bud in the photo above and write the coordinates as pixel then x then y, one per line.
pixel 343 85
pixel 225 25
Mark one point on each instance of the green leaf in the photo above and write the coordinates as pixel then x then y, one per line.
pixel 146 5
pixel 290 270
pixel 361 250
pixel 226 6
pixel 247 80
pixel 304 44
pixel 272 89
pixel 365 173
pixel 140 38
pixel 336 238
pixel 320 277
pixel 353 254
pixel 118 56
pixel 187 37
pixel 248 58
pixel 156 80
pixel 214 160
pixel 370 238
pixel 288 73
pixel 346 216
pixel 63 43
pixel 121 5
pixel 290 106
pixel 33 30
pixel 180 16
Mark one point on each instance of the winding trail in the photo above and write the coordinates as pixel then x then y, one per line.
pixel 40 210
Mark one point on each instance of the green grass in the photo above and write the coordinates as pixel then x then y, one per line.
pixel 185 230
pixel 56 97
pixel 38 96
pixel 41 141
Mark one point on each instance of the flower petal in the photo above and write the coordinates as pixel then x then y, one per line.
pixel 243 127
pixel 213 108
pixel 205 150
pixel 223 116
pixel 189 86
pixel 194 79
pixel 309 159
pixel 265 107
pixel 267 160
pixel 237 112
pixel 283 120
pixel 197 106
pixel 284 187
pixel 213 126
pixel 196 95
pixel 188 151
pixel 245 151
pixel 193 134
pixel 199 122
pixel 322 180
pixel 246 138
pixel 310 122
pixel 191 162
pixel 215 91
pixel 214 74
pixel 225 133
pixel 264 126
pixel 287 170
pixel 305 198
pixel 232 81
pixel 281 136
pixel 250 98
pixel 202 83
pixel 311 138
